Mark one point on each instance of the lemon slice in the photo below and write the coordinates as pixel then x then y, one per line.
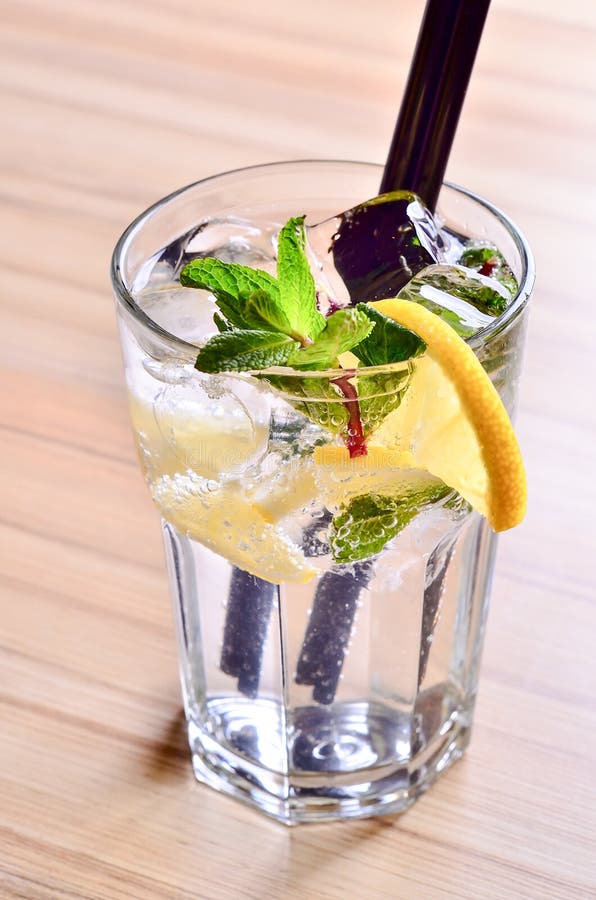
pixel 219 517
pixel 452 421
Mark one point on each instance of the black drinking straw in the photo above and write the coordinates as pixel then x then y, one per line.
pixel 250 603
pixel 443 60
pixel 329 629
pixel 439 75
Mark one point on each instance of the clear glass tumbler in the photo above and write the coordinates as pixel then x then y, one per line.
pixel 313 690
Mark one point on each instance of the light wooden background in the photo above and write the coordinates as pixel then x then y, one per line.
pixel 107 105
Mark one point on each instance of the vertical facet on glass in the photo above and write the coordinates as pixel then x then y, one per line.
pixel 348 694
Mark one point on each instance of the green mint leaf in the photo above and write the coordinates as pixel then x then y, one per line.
pixel 243 351
pixel 229 280
pixel 238 291
pixel 264 312
pixel 296 284
pixel 389 341
pixel 488 260
pixel 221 324
pixel 366 523
pixel 343 330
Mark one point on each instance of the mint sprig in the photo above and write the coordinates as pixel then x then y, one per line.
pixel 265 322
pixel 252 300
pixel 366 523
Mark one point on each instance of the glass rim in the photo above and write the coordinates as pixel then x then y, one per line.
pixel 475 341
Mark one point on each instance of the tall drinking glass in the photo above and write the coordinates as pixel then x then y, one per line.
pixel 313 689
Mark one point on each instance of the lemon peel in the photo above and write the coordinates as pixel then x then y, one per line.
pixel 453 423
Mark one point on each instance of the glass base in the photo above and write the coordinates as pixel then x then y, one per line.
pixel 351 760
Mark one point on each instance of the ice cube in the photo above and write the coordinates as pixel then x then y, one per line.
pixel 216 434
pixel 187 313
pixel 465 299
pixel 184 312
pixel 231 239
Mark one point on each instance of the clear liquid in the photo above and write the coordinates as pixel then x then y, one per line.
pixel 345 695
pixel 401 709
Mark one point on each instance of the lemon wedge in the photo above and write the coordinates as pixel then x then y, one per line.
pixel 219 517
pixel 453 423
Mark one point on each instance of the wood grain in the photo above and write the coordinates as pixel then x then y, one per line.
pixel 107 106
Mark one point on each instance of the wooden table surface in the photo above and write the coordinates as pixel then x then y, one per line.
pixel 108 105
